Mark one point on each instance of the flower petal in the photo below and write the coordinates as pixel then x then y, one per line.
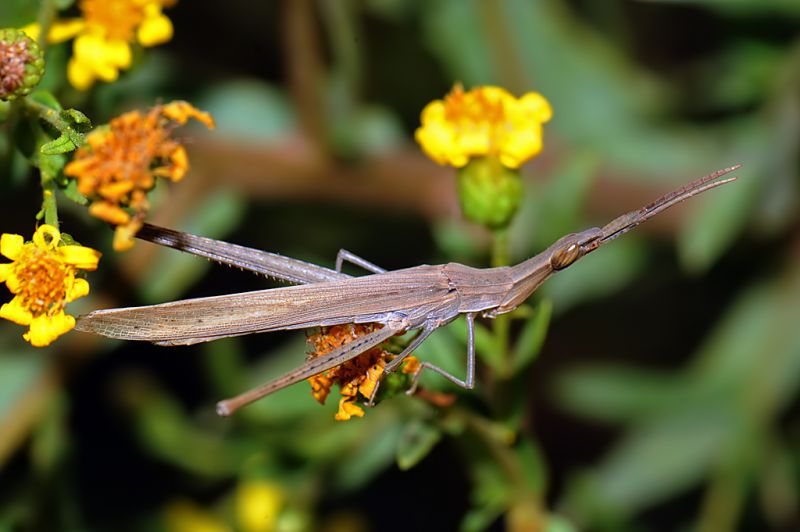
pixel 347 409
pixel 44 329
pixel 80 256
pixel 11 245
pixel 46 237
pixel 80 287
pixel 5 271
pixel 154 30
pixel 80 74
pixel 14 311
pixel 108 212
pixel 64 30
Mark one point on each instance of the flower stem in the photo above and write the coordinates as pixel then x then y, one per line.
pixel 502 324
pixel 49 205
pixel 499 444
pixel 45 17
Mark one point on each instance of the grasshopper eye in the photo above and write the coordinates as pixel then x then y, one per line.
pixel 566 255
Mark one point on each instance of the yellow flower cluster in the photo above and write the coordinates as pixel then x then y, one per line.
pixel 485 121
pixel 104 35
pixel 120 163
pixel 42 279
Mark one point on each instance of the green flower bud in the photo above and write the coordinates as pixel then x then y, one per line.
pixel 21 64
pixel 489 192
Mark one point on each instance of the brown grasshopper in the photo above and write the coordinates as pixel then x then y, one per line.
pixel 423 297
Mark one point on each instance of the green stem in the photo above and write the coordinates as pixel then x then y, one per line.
pixel 502 324
pixel 49 205
pixel 45 16
pixel 499 445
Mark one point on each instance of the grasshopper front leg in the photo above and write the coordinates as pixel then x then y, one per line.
pixel 469 382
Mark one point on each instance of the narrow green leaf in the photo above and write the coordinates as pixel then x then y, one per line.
pixel 62 144
pixel 71 192
pixel 46 98
pixel 76 117
pixel 531 339
pixel 418 439
pixel 50 165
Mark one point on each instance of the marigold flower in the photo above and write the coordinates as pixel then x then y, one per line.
pixel 104 34
pixel 357 377
pixel 119 164
pixel 42 279
pixel 485 121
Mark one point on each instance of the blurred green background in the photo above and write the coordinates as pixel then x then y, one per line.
pixel 665 393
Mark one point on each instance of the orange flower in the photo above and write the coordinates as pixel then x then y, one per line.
pixel 357 377
pixel 120 163
pixel 42 279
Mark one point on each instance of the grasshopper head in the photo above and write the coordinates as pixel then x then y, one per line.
pixel 570 248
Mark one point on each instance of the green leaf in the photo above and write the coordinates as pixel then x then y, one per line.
pixel 51 438
pixel 23 393
pixel 249 109
pixel 557 523
pixel 532 463
pixel 376 452
pixel 76 117
pixel 166 431
pixel 621 394
pixel 50 165
pixel 490 494
pixel 418 440
pixel 62 144
pixel 71 192
pixel 655 461
pixel 532 337
pixel 46 98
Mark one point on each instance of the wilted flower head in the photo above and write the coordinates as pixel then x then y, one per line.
pixel 358 377
pixel 120 163
pixel 485 121
pixel 42 278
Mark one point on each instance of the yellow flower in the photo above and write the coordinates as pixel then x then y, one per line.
pixel 104 34
pixel 258 504
pixel 486 121
pixel 42 279
pixel 119 164
pixel 185 516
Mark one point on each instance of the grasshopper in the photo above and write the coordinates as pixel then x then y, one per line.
pixel 419 298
